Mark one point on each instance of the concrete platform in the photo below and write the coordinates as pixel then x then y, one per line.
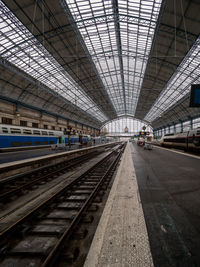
pixel 24 154
pixel 20 166
pixel 169 185
pixel 121 238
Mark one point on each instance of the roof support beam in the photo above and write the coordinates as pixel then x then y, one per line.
pixel 52 28
pixel 119 47
pixel 40 85
pixel 111 112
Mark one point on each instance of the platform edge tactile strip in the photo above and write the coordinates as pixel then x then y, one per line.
pixel 121 238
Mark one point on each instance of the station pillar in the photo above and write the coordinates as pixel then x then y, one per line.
pixel 191 123
pixel 174 127
pixel 17 116
pixel 181 126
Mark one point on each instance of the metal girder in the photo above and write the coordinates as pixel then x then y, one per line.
pixel 111 18
pixel 79 37
pixel 179 32
pixel 51 31
pixel 179 111
pixel 169 61
pixel 119 47
pixel 37 84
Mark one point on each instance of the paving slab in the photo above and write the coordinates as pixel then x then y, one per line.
pixel 121 238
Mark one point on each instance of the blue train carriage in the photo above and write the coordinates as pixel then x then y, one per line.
pixel 17 136
pixel 80 139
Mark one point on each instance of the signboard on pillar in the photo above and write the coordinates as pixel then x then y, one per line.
pixel 195 95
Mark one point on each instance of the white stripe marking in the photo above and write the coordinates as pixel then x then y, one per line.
pixel 178 152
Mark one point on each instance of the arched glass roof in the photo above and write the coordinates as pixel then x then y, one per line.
pixel 20 47
pixel 105 59
pixel 118 35
pixel 180 83
pixel 125 125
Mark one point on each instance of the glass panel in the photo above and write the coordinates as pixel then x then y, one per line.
pixel 125 126
pixel 180 83
pixel 119 44
pixel 36 132
pixel 25 131
pixel 19 47
pixel 15 130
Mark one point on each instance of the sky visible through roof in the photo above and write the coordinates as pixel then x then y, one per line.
pixel 187 73
pixel 119 38
pixel 21 48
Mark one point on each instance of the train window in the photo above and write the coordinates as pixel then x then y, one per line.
pixel 37 143
pixel 44 133
pixel 44 143
pixel 196 141
pixel 167 140
pixel 180 140
pixel 28 143
pixel 36 132
pixel 15 144
pixel 15 130
pixel 51 133
pixel 4 130
pixel 26 131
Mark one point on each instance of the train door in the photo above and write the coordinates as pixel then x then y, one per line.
pixel 59 139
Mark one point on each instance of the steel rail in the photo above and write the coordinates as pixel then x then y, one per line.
pixel 77 218
pixel 71 163
pixel 68 186
pixel 104 166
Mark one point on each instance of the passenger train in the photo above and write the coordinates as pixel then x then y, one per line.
pixel 16 136
pixel 189 141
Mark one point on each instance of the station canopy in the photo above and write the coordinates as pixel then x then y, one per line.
pixel 94 60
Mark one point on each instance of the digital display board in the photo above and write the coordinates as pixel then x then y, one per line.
pixel 144 133
pixel 195 95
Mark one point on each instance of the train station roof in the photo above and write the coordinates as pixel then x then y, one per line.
pixel 96 60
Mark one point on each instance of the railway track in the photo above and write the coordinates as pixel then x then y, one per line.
pixel 40 238
pixel 11 188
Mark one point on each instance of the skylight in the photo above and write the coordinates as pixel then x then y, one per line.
pixel 180 83
pixel 125 125
pixel 21 48
pixel 118 35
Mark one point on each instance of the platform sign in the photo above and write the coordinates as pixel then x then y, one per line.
pixel 142 133
pixel 195 95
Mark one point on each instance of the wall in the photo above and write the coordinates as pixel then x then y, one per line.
pixel 19 113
